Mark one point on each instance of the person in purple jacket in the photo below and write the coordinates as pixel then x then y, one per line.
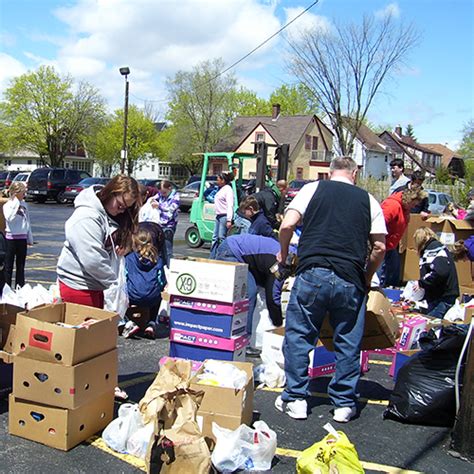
pixel 224 206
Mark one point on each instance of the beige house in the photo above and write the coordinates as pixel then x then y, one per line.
pixel 309 139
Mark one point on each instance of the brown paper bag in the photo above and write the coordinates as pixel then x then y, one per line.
pixel 177 444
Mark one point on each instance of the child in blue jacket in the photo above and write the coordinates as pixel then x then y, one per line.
pixel 145 275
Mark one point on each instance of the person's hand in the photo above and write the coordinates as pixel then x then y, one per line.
pixel 416 286
pixel 424 215
pixel 280 257
pixel 229 224
pixel 154 204
pixel 120 251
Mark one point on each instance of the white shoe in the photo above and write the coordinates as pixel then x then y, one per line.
pixel 297 409
pixel 344 414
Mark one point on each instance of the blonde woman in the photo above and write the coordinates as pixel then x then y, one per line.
pixel 438 276
pixel 17 233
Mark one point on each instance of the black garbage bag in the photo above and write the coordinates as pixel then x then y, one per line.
pixel 424 391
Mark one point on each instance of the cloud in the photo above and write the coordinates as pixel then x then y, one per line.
pixel 392 9
pixel 307 22
pixel 7 39
pixel 9 68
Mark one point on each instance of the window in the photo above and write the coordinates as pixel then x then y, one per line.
pixel 299 173
pixel 443 199
pixel 315 143
pixel 81 165
pixel 30 162
pixel 57 174
pixel 307 142
pixel 322 176
pixel 259 136
pixel 152 168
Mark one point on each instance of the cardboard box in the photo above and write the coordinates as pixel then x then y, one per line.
pixel 8 315
pixel 400 359
pixel 196 353
pixel 38 336
pixel 321 362
pixel 208 306
pixel 235 405
pixel 59 427
pixel 208 279
pixel 381 326
pixel 407 241
pixel 464 271
pixel 411 331
pixel 410 261
pixel 205 419
pixel 467 290
pixel 6 378
pixel 221 325
pixel 62 386
pixel 211 342
pixel 450 230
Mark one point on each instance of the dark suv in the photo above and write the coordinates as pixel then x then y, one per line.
pixel 50 183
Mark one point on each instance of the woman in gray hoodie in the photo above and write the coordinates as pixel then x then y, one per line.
pixel 102 223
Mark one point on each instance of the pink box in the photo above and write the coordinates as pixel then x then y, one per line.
pixel 205 340
pixel 327 367
pixel 410 334
pixel 209 306
pixel 195 364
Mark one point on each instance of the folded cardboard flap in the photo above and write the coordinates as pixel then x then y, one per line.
pixel 8 315
pixel 37 335
pixel 62 386
pixel 59 428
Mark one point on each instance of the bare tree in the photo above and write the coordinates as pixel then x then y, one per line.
pixel 344 67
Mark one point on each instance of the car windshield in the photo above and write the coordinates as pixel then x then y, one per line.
pixel 297 184
pixel 432 198
pixel 89 181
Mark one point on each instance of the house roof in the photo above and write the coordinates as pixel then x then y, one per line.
pixel 408 141
pixel 446 154
pixel 403 146
pixel 370 140
pixel 285 129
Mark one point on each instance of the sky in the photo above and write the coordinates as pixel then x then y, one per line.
pixel 91 39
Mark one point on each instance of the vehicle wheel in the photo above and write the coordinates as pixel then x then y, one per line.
pixel 60 199
pixel 192 237
pixel 40 199
pixel 184 208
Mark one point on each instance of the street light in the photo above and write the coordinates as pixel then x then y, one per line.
pixel 125 71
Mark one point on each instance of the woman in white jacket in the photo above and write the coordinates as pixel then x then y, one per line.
pixel 17 233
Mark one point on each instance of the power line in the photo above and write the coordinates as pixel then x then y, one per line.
pixel 243 58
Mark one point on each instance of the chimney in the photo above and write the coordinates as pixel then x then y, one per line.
pixel 398 131
pixel 275 111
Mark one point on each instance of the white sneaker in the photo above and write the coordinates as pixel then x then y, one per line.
pixel 297 409
pixel 130 329
pixel 344 414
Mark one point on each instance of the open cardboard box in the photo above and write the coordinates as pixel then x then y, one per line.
pixel 62 386
pixel 208 279
pixel 38 336
pixel 8 315
pixel 59 428
pixel 229 406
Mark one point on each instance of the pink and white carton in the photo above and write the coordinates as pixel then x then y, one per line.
pixel 411 331
pixel 205 340
pixel 209 306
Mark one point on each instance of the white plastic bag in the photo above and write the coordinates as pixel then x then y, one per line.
pixel 118 431
pixel 116 297
pixel 148 213
pixel 413 293
pixel 138 442
pixel 455 313
pixel 244 448
pixel 270 374
pixel 261 320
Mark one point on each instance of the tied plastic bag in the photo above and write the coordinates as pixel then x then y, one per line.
pixel 116 297
pixel 244 448
pixel 333 454
pixel 455 313
pixel 261 320
pixel 270 374
pixel 220 374
pixel 118 431
pixel 137 444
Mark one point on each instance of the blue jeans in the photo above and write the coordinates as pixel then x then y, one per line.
pixel 220 232
pixel 168 246
pixel 242 224
pixel 438 308
pixel 389 271
pixel 316 292
pixel 225 253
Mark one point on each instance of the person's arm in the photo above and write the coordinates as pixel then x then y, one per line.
pixel 168 208
pixel 273 299
pixel 438 275
pixel 376 256
pixel 10 209
pixel 290 221
pixel 229 200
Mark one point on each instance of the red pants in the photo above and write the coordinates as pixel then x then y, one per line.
pixel 94 298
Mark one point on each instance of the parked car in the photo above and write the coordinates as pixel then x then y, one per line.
pixel 50 183
pixel 197 177
pixel 438 201
pixel 153 185
pixel 293 189
pixel 12 176
pixel 3 177
pixel 71 192
pixel 189 193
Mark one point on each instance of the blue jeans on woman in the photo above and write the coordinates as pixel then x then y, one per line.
pixel 168 246
pixel 438 308
pixel 225 253
pixel 220 232
pixel 316 292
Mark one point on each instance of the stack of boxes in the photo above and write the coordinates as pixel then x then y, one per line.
pixel 65 372
pixel 208 309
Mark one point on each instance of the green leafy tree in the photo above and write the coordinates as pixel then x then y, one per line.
pixel 443 176
pixel 345 66
pixel 247 103
pixel 409 132
pixel 142 139
pixel 466 149
pixel 294 100
pixel 46 114
pixel 201 108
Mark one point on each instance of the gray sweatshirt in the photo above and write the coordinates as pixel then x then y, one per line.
pixel 85 262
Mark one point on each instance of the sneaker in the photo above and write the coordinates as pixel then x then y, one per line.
pixel 344 414
pixel 252 352
pixel 130 329
pixel 149 332
pixel 297 409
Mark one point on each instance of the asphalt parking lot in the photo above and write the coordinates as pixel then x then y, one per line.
pixel 382 445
